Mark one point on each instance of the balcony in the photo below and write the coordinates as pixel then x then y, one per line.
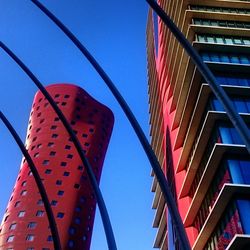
pixel 159 211
pixel 211 167
pixel 200 147
pixel 222 3
pixel 202 14
pixel 189 135
pixel 157 196
pixel 162 230
pixel 228 192
pixel 220 47
pixel 239 241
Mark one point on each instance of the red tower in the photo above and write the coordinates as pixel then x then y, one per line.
pixel 25 224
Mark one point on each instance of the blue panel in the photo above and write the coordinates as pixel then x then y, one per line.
pixel 171 244
pixel 244 208
pixel 245 170
pixel 225 135
pixel 244 60
pixel 205 57
pixel 214 57
pixel 248 105
pixel 240 174
pixel 240 106
pixel 235 171
pixel 224 59
pixel 217 105
pixel 236 139
pixel 234 59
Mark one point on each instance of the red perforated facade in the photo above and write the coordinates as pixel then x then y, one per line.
pixel 25 224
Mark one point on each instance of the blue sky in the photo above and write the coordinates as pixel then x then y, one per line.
pixel 114 32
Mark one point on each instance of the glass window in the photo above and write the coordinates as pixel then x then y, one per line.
pixel 71 243
pixel 58 182
pixel 244 60
pixel 53 203
pixel 60 193
pixel 246 41
pixel 82 199
pixel 210 39
pixel 77 220
pixel 30 237
pixel 72 230
pixel 54 135
pixel 39 213
pixel 205 22
pixel 231 24
pixel 214 57
pixel 50 238
pixel 237 41
pixel 40 202
pixel 46 162
pixel 234 59
pixel 52 153
pixel 17 204
pixel 48 171
pixel 78 209
pixel 50 144
pixel 24 192
pixel 224 58
pixel 205 56
pixel 10 238
pixel 69 156
pixel 66 174
pixel 228 40
pixel 219 40
pixel 12 226
pixel 32 225
pixel 21 214
pixel 60 215
pixel 80 168
pixel 213 23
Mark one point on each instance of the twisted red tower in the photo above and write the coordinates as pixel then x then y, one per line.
pixel 25 225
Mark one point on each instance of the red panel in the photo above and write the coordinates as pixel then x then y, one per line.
pixel 61 169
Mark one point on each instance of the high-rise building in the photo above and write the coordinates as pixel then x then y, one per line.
pixel 204 159
pixel 25 224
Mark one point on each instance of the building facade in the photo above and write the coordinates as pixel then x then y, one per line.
pixel 25 223
pixel 204 159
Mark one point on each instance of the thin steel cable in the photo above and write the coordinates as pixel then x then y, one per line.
pixel 101 204
pixel 39 183
pixel 218 91
pixel 133 121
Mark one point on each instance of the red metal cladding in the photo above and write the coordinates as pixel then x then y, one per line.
pixel 25 224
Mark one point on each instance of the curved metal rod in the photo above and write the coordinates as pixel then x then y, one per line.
pixel 103 210
pixel 218 91
pixel 138 130
pixel 41 188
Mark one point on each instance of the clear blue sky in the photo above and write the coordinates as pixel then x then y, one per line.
pixel 114 31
